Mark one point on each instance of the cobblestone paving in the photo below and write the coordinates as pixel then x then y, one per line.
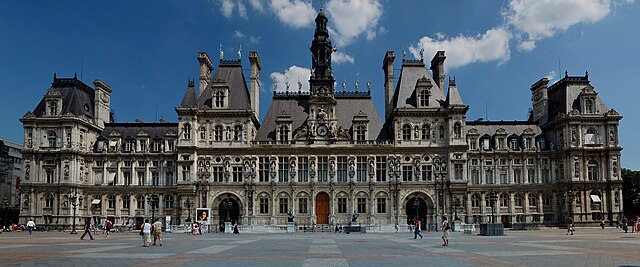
pixel 551 247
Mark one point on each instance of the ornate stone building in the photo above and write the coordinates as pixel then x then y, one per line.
pixel 324 154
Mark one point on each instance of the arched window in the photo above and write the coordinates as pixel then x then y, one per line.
pixel 361 132
pixel 457 130
pixel 406 132
pixel 48 201
pixel 217 133
pixel 504 200
pixel 592 170
pixel 203 133
pixel 186 131
pixel 588 106
pixel 475 201
pixel 518 199
pixel 591 137
pixel 425 132
pixel 237 133
pixel 219 99
pixel 51 138
pixel 424 98
pixel 284 133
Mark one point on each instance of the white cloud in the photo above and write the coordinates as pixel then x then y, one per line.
pixel 227 7
pixel 292 75
pixel 339 57
pixel 551 75
pixel 254 39
pixel 257 5
pixel 461 50
pixel 239 34
pixel 293 13
pixel 534 20
pixel 353 18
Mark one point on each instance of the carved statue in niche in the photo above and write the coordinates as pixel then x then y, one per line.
pixel 416 132
pixel 343 133
pixel 372 167
pixel 332 166
pixel 302 133
pixel 322 115
pixel 612 136
pixel 312 168
pixel 615 168
pixel 574 138
pixel 352 168
pixel 577 169
pixel 272 168
pixel 227 167
pixel 253 167
pixel 66 172
pixel 27 171
pixel 292 167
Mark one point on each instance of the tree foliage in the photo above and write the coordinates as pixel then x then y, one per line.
pixel 631 191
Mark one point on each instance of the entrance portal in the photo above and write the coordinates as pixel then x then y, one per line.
pixel 322 208
pixel 228 209
pixel 420 211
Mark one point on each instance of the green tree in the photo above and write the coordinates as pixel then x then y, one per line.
pixel 631 192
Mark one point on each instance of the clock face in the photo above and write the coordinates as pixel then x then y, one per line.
pixel 322 130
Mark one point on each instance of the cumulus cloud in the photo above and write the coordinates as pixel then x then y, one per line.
pixel 293 13
pixel 252 39
pixel 533 20
pixel 353 18
pixel 227 8
pixel 340 57
pixel 292 76
pixel 493 45
pixel 239 34
pixel 551 75
pixel 257 5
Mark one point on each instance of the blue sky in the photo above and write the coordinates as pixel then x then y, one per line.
pixel 146 50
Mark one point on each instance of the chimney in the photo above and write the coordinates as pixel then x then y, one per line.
pixel 540 101
pixel 387 66
pixel 102 105
pixel 255 82
pixel 437 69
pixel 206 67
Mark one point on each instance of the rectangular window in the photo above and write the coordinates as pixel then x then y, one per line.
pixel 126 202
pixel 303 205
pixel 362 205
pixel 488 175
pixel 503 162
pixel 141 178
pixel 426 173
pixel 485 144
pixel 264 205
pixel 303 169
pixel 457 171
pixel 142 163
pixel 488 162
pixel 531 175
pixel 127 163
pixel 284 205
pixel 475 178
pixel 127 178
pixel 517 176
pixel 283 169
pixel 516 161
pixel 407 173
pixel 155 178
pixel 381 168
pixel 342 205
pixel 381 205
pixel 514 144
pixel 263 170
pixel 527 143
pixel 156 146
pixel 186 172
pixel 342 169
pixel 129 145
pixel 474 162
pixel 50 177
pixel 155 163
pixel 545 176
pixel 171 145
pixel 111 202
pixel 361 169
pixel 169 179
pixel 143 145
pixel 236 174
pixel 323 167
pixel 472 144
pixel 217 174
pixel 503 177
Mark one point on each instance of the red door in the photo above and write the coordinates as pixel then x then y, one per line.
pixel 322 208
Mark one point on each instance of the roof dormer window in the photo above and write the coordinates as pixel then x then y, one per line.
pixel 53 108
pixel 218 99
pixel 406 132
pixel 283 133
pixel 588 106
pixel 361 133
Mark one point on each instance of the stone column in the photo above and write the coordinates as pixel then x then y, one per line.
pixel 528 216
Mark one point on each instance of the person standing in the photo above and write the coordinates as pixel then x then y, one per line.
pixel 397 228
pixel 235 228
pixel 30 225
pixel 87 229
pixel 445 231
pixel 570 227
pixel 416 226
pixel 107 227
pixel 157 232
pixel 146 233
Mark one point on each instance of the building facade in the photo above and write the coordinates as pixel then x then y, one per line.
pixel 10 173
pixel 324 155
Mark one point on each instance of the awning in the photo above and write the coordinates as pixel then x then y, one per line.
pixel 95 202
pixel 595 198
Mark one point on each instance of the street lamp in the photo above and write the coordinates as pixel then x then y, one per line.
pixel 493 198
pixel 456 205
pixel 75 201
pixel 416 204
pixel 227 205
pixel 188 203
pixel 153 200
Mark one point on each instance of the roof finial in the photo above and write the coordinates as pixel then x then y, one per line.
pixel 404 54
pixel 421 53
pixel 275 87
pixel 344 86
pixel 369 86
pixel 54 76
pixel 357 83
pixel 221 52
pixel 75 75
pixel 566 74
pixel 286 84
pixel 586 74
pixel 240 52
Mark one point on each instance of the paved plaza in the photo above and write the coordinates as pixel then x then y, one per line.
pixel 549 247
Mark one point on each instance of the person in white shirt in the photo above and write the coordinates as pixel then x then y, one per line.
pixel 31 225
pixel 146 233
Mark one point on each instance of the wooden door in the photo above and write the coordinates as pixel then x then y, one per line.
pixel 322 208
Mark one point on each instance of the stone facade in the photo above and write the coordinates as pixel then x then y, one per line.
pixel 325 155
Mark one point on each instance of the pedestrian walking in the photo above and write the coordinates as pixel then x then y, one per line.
pixel 87 228
pixel 397 228
pixel 107 227
pixel 31 225
pixel 602 224
pixel 157 232
pixel 445 231
pixel 146 233
pixel 570 228
pixel 194 228
pixel 416 224
pixel 624 224
pixel 235 228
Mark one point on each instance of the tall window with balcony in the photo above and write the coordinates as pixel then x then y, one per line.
pixel 127 178
pixel 186 172
pixel 52 139
pixel 263 169
pixel 592 170
pixel 284 205
pixel 323 169
pixel 217 174
pixel 488 176
pixel 361 169
pixel 283 169
pixel 407 173
pixel 217 133
pixel 457 171
pixel 427 172
pixel 361 205
pixel 406 132
pixel 236 174
pixel 303 169
pixel 341 173
pixel 381 168
pixel 186 131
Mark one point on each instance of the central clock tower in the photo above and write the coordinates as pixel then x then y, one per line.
pixel 322 103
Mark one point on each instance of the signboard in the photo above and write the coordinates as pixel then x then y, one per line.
pixel 203 215
pixel 167 224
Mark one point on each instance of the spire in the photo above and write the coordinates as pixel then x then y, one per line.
pixel 321 49
pixel 453 96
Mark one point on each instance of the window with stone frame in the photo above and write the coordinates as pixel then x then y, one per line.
pixel 168 202
pixel 423 98
pixel 169 180
pixel 236 174
pixel 217 133
pixel 531 175
pixel 527 143
pixel 488 176
pixel 341 172
pixel 518 199
pixel 475 201
pixel 407 173
pixel 50 178
pixel 111 202
pixel 361 133
pixel 48 201
pixel 127 178
pixel 361 205
pixel 303 169
pixel 219 99
pixel 588 106
pixel 141 178
pixel 52 139
pixel 457 130
pixel 457 171
pixel 473 145
pixel 517 176
pixel 533 200
pixel 140 202
pixel 361 169
pixel 126 202
pixel 186 172
pixel 264 205
pixel 237 133
pixel 186 131
pixel 425 132
pixel 406 132
pixel 129 145
pixel 284 205
pixel 263 169
pixel 283 169
pixel 475 177
pixel 283 132
pixel 342 205
pixel 591 137
pixel 323 169
pixel 592 170
pixel 217 174
pixel 546 199
pixel 303 205
pixel 513 144
pixel 427 172
pixel 504 200
pixel 155 178
pixel 381 168
pixel 441 130
pixel 171 145
pixel 203 133
pixel 381 204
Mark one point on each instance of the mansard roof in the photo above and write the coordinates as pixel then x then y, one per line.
pixel 405 93
pixel 507 128
pixel 453 96
pixel 132 130
pixel 563 95
pixel 297 106
pixel 77 97
pixel 190 98
pixel 230 72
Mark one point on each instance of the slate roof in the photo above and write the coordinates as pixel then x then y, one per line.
pixel 405 93
pixel 453 96
pixel 229 71
pixel 131 130
pixel 510 127
pixel 189 99
pixel 563 96
pixel 77 98
pixel 297 106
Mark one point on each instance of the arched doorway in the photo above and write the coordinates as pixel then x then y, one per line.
pixel 417 207
pixel 228 208
pixel 322 208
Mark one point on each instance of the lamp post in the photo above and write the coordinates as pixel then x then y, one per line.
pixel 153 200
pixel 75 201
pixel 456 205
pixel 188 203
pixel 416 204
pixel 493 198
pixel 227 205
